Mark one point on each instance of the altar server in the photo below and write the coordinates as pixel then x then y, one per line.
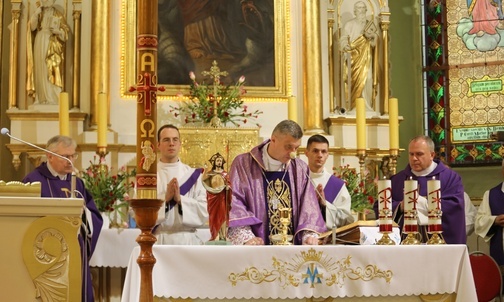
pixel 490 220
pixel 333 196
pixel 266 181
pixel 423 167
pixel 181 188
pixel 55 179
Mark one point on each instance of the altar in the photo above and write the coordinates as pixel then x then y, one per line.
pixel 379 273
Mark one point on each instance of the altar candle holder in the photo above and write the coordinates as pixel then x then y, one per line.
pixel 410 212
pixel 385 211
pixel 361 154
pixel 394 153
pixel 435 213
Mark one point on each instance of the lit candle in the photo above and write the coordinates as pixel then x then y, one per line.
pixel 410 194
pixel 360 120
pixel 434 194
pixel 393 124
pixel 102 120
pixel 292 108
pixel 64 115
pixel 384 195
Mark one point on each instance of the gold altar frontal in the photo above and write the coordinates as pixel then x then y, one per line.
pixel 200 143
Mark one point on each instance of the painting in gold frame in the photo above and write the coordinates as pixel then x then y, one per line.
pixel 271 83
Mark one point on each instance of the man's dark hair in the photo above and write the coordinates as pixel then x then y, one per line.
pixel 317 138
pixel 290 128
pixel 167 126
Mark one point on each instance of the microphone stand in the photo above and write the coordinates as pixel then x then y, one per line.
pixel 5 131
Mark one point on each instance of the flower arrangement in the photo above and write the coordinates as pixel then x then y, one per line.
pixel 109 191
pixel 362 190
pixel 202 98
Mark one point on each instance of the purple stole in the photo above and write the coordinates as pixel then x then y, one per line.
pixel 271 177
pixel 185 187
pixel 332 188
pixel 496 202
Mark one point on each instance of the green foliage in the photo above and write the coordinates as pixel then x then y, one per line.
pixel 106 187
pixel 363 191
pixel 202 97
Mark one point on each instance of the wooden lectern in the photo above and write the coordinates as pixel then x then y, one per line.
pixel 40 256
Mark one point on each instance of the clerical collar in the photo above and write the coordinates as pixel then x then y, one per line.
pixel 169 165
pixel 270 163
pixel 54 173
pixel 426 171
pixel 315 175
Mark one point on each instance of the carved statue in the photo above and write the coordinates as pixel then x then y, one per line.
pixel 216 182
pixel 45 57
pixel 358 43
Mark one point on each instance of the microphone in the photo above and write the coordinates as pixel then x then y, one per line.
pixel 5 131
pixel 293 155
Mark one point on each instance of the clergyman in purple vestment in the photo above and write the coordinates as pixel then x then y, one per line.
pixel 55 178
pixel 267 179
pixel 489 222
pixel 423 167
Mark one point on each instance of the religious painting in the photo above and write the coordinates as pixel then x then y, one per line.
pixel 474 81
pixel 245 38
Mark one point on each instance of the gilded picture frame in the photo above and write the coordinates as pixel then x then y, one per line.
pixel 261 84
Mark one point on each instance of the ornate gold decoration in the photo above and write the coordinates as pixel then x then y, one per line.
pixel 312 267
pixel 17 188
pixel 201 143
pixel 51 254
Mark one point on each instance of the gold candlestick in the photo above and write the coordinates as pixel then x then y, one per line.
pixel 361 154
pixel 393 160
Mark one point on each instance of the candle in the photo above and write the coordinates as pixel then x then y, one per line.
pixel 64 115
pixel 360 120
pixel 102 120
pixel 410 194
pixel 393 124
pixel 292 107
pixel 434 194
pixel 384 195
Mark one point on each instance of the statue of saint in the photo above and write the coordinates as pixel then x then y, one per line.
pixel 216 182
pixel 45 57
pixel 358 45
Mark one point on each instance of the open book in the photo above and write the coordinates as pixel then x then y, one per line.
pixel 348 234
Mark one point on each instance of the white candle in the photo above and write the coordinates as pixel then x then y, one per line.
pixel 360 120
pixel 102 120
pixel 410 194
pixel 434 194
pixel 64 115
pixel 393 124
pixel 384 195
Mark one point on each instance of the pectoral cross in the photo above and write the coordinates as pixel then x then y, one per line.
pixel 215 73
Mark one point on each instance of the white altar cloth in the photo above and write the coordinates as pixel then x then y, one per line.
pixel 279 272
pixel 114 247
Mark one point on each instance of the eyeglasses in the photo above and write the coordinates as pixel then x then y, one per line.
pixel 71 156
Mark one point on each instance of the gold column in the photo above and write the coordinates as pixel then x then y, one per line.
pixel 145 204
pixel 100 54
pixel 312 68
pixel 385 22
pixel 77 53
pixel 14 50
pixel 330 51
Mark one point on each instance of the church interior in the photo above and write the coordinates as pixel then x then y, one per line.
pixel 290 59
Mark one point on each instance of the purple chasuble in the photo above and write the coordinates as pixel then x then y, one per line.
pixel 248 204
pixel 53 186
pixel 452 199
pixel 496 202
pixel 332 188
